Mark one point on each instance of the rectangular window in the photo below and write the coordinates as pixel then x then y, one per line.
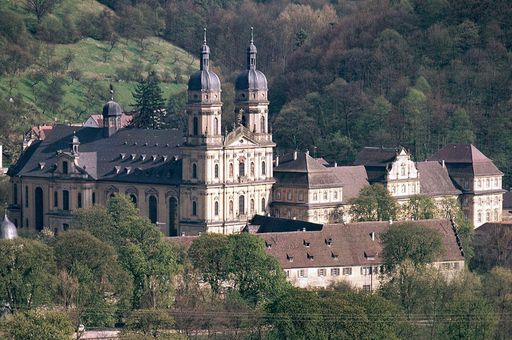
pixel 287 273
pixel 366 288
pixel 93 198
pixel 322 272
pixel 15 194
pixel 302 273
pixel 79 200
pixel 335 271
pixel 347 271
pixel 55 199
pixel 301 196
pixel 26 196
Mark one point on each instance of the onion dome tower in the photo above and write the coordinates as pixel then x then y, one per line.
pixel 112 112
pixel 204 103
pixel 251 94
pixel 8 229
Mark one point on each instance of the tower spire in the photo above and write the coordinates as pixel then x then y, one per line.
pixel 251 53
pixel 111 92
pixel 205 53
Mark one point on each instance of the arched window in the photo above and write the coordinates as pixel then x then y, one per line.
pixel 55 199
pixel 39 208
pixel 230 169
pixel 262 124
pixel 194 170
pixel 263 168
pixel 241 168
pixel 251 206
pixel 215 126
pixel 496 215
pixel 231 208
pixel 216 170
pixel 64 167
pixel 65 200
pixel 194 208
pixel 216 208
pixel 241 205
pixel 263 205
pixel 252 168
pixel 479 216
pixel 196 126
pixel 153 209
pixel 173 216
pixel 79 200
pixel 487 216
pixel 133 198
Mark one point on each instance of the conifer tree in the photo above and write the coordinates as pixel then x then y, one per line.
pixel 149 104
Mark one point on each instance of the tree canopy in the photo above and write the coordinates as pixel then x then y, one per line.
pixel 374 203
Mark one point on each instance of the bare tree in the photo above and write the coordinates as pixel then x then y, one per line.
pixel 41 7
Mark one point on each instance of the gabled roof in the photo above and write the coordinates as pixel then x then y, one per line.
pixel 130 155
pixel 434 179
pixel 457 155
pixel 376 156
pixel 338 245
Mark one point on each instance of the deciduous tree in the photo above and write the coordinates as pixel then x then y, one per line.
pixel 374 203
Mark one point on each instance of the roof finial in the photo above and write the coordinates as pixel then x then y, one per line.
pixel 252 35
pixel 111 92
pixel 204 36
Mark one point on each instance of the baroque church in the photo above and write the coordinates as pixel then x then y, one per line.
pixel 205 180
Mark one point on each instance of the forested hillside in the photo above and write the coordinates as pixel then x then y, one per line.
pixel 342 74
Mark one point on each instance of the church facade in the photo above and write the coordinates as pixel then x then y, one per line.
pixel 207 180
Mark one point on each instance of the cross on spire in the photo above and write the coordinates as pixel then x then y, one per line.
pixel 252 35
pixel 111 92
pixel 204 35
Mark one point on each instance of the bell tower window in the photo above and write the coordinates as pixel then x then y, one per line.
pixel 241 168
pixel 194 170
pixel 195 126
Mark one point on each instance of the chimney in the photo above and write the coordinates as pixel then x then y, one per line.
pixel 307 152
pixel 442 162
pixel 335 164
pixel 372 235
pixel 295 155
pixel 303 230
pixel 182 234
pixel 390 221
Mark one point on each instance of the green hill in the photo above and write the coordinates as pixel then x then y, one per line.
pixel 94 65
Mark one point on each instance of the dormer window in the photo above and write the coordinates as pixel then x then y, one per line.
pixel 268 245
pixel 334 255
pixel 306 243
pixel 328 241
pixel 311 257
pixel 289 258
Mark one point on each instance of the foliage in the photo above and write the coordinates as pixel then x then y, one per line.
pixel 492 248
pixel 92 285
pixel 419 207
pixel 211 254
pixel 150 261
pixel 27 273
pixel 40 325
pixel 149 322
pixel 498 292
pixel 257 277
pixel 41 8
pixel 471 318
pixel 409 241
pixel 149 104
pixel 374 203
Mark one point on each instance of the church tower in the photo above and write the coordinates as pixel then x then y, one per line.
pixel 202 164
pixel 251 102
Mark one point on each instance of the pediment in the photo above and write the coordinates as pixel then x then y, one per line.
pixel 240 137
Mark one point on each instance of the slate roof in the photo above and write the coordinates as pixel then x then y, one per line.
pixel 350 245
pixel 266 224
pixel 434 179
pixel 466 157
pixel 130 155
